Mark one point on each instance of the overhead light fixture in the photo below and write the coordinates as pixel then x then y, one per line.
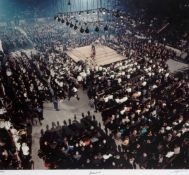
pixel 117 14
pixel 69 3
pixel 75 27
pixel 55 17
pixel 71 25
pixel 106 28
pixel 59 19
pixel 103 11
pixel 108 12
pixel 87 30
pixel 97 29
pixel 82 30
pixel 67 23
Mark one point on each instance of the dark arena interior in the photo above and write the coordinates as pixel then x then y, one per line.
pixel 94 84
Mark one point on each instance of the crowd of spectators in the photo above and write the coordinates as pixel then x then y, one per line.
pixel 80 144
pixel 13 39
pixel 144 107
pixel 142 103
pixel 26 82
pixel 147 110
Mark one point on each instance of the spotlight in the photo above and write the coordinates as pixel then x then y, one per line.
pixel 108 12
pixel 87 30
pixel 117 14
pixel 103 11
pixel 55 18
pixel 59 19
pixel 82 30
pixel 97 29
pixel 62 21
pixel 67 23
pixel 75 27
pixel 71 25
pixel 106 28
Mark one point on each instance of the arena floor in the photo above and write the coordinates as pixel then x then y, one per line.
pixel 67 111
pixel 104 55
pixel 176 66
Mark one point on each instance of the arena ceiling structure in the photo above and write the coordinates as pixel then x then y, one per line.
pixel 88 15
pixel 34 8
pixel 28 8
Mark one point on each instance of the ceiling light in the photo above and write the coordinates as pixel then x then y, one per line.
pixel 59 19
pixel 97 29
pixel 87 30
pixel 82 30
pixel 106 28
pixel 75 27
pixel 67 23
pixel 55 17
pixel 71 25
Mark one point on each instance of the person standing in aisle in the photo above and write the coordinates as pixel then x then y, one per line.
pixel 55 103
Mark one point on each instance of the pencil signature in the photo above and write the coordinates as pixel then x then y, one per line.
pixel 94 172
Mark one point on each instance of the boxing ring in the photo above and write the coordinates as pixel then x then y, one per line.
pixel 103 55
